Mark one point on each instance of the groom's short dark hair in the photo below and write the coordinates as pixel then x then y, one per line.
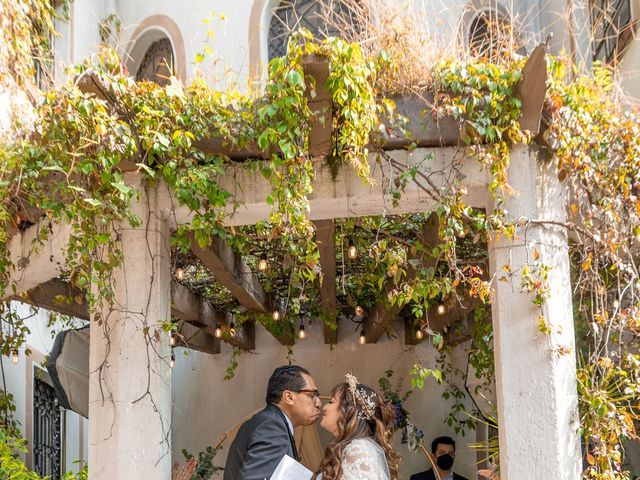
pixel 288 377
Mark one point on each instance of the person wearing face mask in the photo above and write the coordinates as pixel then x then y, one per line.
pixel 444 451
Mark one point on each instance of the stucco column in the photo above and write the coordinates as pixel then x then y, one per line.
pixel 130 377
pixel 535 372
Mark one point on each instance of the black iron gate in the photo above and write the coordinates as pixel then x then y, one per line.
pixel 47 430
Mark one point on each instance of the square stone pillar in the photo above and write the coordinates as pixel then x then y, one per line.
pixel 130 377
pixel 535 372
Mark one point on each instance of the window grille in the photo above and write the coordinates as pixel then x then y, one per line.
pixel 611 22
pixel 157 63
pixel 47 431
pixel 323 18
pixel 488 34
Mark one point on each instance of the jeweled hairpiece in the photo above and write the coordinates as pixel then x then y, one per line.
pixel 362 398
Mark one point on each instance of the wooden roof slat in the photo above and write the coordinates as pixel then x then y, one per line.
pixel 383 314
pixel 325 236
pixel 46 295
pixel 229 268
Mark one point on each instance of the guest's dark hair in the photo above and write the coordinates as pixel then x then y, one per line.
pixel 442 441
pixel 284 378
pixel 353 424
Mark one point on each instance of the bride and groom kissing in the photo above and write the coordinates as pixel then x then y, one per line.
pixel 357 417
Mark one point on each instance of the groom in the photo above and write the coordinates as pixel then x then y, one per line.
pixel 262 441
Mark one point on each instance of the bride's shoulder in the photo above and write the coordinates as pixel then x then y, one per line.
pixel 358 445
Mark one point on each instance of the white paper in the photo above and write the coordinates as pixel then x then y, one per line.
pixel 289 469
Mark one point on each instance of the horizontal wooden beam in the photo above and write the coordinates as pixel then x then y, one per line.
pixel 194 338
pixel 348 196
pixel 190 307
pixel 57 296
pixel 229 268
pixel 325 236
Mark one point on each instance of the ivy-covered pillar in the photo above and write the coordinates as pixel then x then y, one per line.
pixel 533 329
pixel 130 376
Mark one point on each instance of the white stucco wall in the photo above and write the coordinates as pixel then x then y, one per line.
pixel 231 43
pixel 205 406
pixel 629 70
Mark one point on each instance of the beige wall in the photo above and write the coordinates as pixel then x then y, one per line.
pixel 205 406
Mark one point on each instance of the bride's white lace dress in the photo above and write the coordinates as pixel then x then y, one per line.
pixel 363 459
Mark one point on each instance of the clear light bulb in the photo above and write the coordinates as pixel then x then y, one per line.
pixel 352 252
pixel 276 315
pixel 301 333
pixel 218 331
pixel 441 309
pixel 232 329
pixel 15 357
pixel 179 274
pixel 419 333
pixel 172 340
pixel 263 264
pixel 363 338
pixel 172 362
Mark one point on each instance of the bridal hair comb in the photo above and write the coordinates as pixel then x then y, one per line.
pixel 361 397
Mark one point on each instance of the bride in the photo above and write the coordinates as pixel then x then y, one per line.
pixel 360 422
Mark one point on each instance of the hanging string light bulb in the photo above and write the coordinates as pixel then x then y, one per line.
pixel 276 315
pixel 172 340
pixel 179 273
pixel 359 311
pixel 419 333
pixel 172 362
pixel 363 337
pixel 301 333
pixel 352 252
pixel 15 357
pixel 263 264
pixel 218 331
pixel 232 329
pixel 441 310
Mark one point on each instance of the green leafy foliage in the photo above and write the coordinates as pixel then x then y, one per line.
pixel 205 469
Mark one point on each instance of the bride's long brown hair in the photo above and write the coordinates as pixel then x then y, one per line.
pixel 352 424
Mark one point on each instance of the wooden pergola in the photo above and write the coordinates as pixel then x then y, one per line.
pixel 120 413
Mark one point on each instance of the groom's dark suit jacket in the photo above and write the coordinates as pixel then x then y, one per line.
pixel 430 475
pixel 259 446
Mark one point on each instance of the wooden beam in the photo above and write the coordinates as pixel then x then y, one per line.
pixel 325 235
pixel 532 89
pixel 195 338
pixel 57 296
pixel 190 307
pixel 383 314
pixel 455 309
pixel 316 71
pixel 231 270
pixel 348 196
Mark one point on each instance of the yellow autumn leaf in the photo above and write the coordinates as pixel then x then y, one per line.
pixel 587 264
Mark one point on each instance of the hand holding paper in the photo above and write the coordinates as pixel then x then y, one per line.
pixel 289 469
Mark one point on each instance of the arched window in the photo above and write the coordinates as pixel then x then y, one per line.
pixel 323 18
pixel 489 33
pixel 157 63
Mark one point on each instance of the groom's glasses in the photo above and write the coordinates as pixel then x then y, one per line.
pixel 312 394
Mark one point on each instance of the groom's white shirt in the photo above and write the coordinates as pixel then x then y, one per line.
pixel 289 424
